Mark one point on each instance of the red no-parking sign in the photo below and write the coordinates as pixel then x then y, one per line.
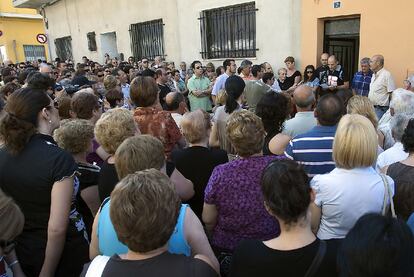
pixel 41 38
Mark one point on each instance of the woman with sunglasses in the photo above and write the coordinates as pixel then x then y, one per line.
pixel 39 176
pixel 12 221
pixel 309 77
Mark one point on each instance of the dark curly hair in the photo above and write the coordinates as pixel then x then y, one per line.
pixel 273 109
pixel 286 190
pixel 408 137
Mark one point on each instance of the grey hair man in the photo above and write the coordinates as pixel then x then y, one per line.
pixel 303 121
pixel 402 102
pixel 396 153
pixel 381 87
pixel 362 79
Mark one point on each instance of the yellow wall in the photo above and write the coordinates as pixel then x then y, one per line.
pixel 386 28
pixel 21 30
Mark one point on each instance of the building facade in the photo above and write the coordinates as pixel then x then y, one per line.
pixel 19 30
pixel 355 29
pixel 178 30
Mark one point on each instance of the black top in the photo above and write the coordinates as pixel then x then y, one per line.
pixel 29 178
pixel 337 76
pixel 403 176
pixel 108 178
pixel 88 177
pixel 321 74
pixel 290 81
pixel 254 258
pixel 196 163
pixel 165 264
pixel 164 90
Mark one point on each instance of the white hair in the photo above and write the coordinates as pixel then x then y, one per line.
pixel 398 124
pixel 402 101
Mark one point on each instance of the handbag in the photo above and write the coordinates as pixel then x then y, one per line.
pixel 387 197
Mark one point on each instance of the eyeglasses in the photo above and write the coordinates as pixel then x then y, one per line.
pixel 100 75
pixel 198 67
pixel 307 72
pixel 107 71
pixel 168 73
pixel 7 246
pixel 144 61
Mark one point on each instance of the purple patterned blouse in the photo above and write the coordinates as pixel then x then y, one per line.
pixel 234 188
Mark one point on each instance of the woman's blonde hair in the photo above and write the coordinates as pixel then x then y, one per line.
pixel 11 218
pixel 113 128
pixel 246 132
pixel 74 135
pixel 361 105
pixel 138 153
pixel 355 143
pixel 195 126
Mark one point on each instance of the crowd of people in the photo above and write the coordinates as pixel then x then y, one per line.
pixel 139 168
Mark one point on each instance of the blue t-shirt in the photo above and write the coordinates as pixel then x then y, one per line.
pixel 313 150
pixel 109 244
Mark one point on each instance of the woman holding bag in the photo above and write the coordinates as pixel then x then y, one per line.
pixel 353 188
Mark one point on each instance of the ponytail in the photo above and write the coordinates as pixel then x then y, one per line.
pixel 234 87
pixel 15 132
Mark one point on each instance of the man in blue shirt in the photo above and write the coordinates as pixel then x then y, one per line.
pixel 362 79
pixel 230 67
pixel 313 149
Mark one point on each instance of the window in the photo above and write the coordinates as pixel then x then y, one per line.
pixel 229 32
pixel 147 39
pixel 91 41
pixel 34 52
pixel 64 48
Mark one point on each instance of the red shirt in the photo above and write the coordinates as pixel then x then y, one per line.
pixel 160 124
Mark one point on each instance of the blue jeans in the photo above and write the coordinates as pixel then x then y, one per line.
pixel 380 111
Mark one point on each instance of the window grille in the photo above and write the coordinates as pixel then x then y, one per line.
pixel 34 52
pixel 147 39
pixel 64 48
pixel 229 32
pixel 91 41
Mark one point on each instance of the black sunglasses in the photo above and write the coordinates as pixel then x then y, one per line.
pixel 100 75
pixel 145 62
pixel 7 246
pixel 309 72
pixel 198 67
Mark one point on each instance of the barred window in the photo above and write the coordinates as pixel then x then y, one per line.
pixel 147 39
pixel 34 52
pixel 229 32
pixel 64 48
pixel 91 41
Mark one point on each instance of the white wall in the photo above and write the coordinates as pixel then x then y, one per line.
pixel 277 26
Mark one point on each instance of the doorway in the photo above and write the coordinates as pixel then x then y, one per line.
pixel 341 38
pixel 108 45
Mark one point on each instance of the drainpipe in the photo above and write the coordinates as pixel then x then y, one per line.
pixel 15 50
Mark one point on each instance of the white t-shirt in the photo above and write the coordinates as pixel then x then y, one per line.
pixel 391 155
pixel 344 195
pixel 381 85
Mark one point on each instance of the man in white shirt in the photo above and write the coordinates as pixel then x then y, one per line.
pixel 231 67
pixel 381 87
pixel 175 103
pixel 396 153
pixel 402 102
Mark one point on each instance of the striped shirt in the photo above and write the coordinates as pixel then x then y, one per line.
pixel 313 150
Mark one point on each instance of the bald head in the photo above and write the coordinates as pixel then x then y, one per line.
pixel 332 63
pixel 376 63
pixel 304 98
pixel 173 101
pixel 324 59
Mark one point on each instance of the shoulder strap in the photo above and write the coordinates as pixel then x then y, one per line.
pixel 387 197
pixel 317 260
pixel 97 266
